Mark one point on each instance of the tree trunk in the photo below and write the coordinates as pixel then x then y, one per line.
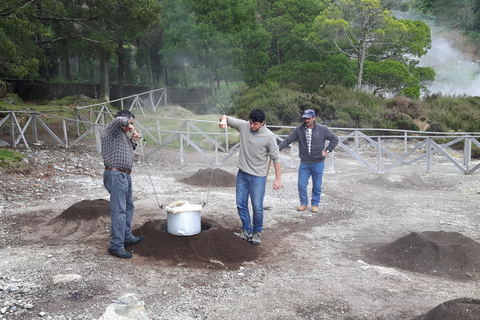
pixel 149 67
pixel 360 61
pixel 121 54
pixel 68 70
pixel 104 81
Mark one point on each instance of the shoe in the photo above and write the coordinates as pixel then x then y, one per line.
pixel 314 209
pixel 256 238
pixel 133 241
pixel 122 253
pixel 244 235
pixel 302 208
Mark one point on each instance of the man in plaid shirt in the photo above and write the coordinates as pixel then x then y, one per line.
pixel 117 153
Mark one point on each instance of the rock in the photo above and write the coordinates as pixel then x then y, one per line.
pixel 4 143
pixel 8 100
pixel 126 307
pixel 63 278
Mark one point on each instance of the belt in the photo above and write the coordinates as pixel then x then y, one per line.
pixel 119 170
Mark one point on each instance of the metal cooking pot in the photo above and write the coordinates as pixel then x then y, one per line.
pixel 183 218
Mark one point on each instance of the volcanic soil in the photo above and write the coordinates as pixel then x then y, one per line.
pixel 401 245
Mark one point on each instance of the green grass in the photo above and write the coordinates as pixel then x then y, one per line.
pixel 12 159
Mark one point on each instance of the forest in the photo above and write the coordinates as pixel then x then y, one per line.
pixel 356 62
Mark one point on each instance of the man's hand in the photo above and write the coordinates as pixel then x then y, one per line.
pixel 277 184
pixel 135 134
pixel 223 122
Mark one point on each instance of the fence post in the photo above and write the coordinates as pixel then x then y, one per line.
pixel 64 125
pixel 226 139
pixel 332 160
pixel 12 129
pixel 216 150
pixel 159 132
pixel 181 148
pixel 467 152
pixel 379 169
pixel 34 128
pixel 356 141
pixel 97 139
pixel 429 155
pixel 77 122
pixel 188 133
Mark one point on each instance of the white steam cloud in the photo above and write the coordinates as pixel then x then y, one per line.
pixel 456 73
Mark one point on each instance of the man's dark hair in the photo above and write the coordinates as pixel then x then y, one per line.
pixel 257 115
pixel 125 113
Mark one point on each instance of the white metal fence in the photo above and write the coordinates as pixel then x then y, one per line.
pixel 218 146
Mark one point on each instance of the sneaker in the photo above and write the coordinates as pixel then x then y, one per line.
pixel 256 238
pixel 122 253
pixel 133 241
pixel 302 208
pixel 314 209
pixel 244 235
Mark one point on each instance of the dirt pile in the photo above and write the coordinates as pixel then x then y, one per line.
pixel 211 177
pixel 458 309
pixel 442 254
pixel 214 247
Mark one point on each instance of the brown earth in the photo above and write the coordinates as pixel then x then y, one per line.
pixel 402 245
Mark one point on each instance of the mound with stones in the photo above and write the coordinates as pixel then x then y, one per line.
pixel 214 247
pixel 211 177
pixel 458 309
pixel 442 254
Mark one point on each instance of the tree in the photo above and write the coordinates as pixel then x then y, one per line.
pixel 220 38
pixel 19 56
pixel 289 22
pixel 462 14
pixel 311 76
pixel 391 76
pixel 365 29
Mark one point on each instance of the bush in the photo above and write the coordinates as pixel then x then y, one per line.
pixel 341 107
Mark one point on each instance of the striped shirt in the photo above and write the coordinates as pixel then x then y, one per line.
pixel 117 148
pixel 308 136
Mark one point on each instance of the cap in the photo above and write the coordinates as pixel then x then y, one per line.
pixel 308 113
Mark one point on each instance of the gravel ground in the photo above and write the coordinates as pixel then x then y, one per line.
pixel 309 266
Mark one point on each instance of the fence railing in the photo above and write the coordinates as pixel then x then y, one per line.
pixel 217 146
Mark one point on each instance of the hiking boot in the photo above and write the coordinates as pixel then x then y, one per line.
pixel 314 209
pixel 121 253
pixel 244 235
pixel 256 238
pixel 302 208
pixel 133 241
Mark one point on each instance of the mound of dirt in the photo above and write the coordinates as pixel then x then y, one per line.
pixel 214 247
pixel 87 210
pixel 177 112
pixel 458 309
pixel 443 254
pixel 208 177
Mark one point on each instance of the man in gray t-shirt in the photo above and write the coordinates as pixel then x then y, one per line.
pixel 257 145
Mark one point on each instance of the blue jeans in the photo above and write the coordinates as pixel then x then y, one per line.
pixel 304 173
pixel 253 186
pixel 119 185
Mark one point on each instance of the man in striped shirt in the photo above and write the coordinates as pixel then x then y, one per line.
pixel 313 150
pixel 117 153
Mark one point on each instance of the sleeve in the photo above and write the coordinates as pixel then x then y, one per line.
pixel 332 137
pixel 273 150
pixel 235 123
pixel 292 137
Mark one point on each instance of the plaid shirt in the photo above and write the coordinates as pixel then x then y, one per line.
pixel 117 148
